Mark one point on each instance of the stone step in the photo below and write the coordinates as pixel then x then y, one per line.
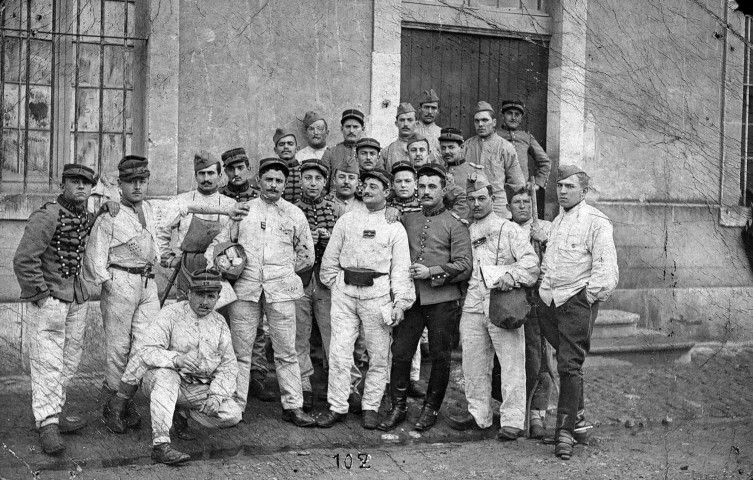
pixel 615 324
pixel 644 341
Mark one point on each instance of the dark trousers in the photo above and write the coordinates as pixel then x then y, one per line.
pixel 439 319
pixel 537 358
pixel 568 328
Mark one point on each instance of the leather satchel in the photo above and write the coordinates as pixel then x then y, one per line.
pixel 509 309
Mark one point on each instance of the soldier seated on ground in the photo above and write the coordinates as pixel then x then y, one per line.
pixel 188 368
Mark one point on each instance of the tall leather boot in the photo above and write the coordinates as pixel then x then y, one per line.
pixel 132 418
pixel 399 381
pixel 117 407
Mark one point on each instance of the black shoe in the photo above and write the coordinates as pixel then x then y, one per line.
pixel 582 432
pixel 258 389
pixel 115 418
pixel 180 426
pixel 354 402
pixel 415 390
pixel 298 417
pixel 395 417
pixel 308 401
pixel 538 432
pixel 70 423
pixel 370 419
pixel 427 419
pixel 49 437
pixel 132 418
pixel 463 422
pixel 564 446
pixel 329 418
pixel 165 453
pixel 507 434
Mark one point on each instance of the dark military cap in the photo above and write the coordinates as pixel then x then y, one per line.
pixel 476 181
pixel 315 163
pixel 234 156
pixel 282 133
pixel 402 165
pixel 450 134
pixel 433 168
pixel 429 96
pixel 512 190
pixel 354 114
pixel 267 163
pixel 133 166
pixel 512 104
pixel 311 117
pixel 380 174
pixel 74 170
pixel 568 171
pixel 205 281
pixel 483 106
pixel 368 142
pixel 203 159
pixel 416 139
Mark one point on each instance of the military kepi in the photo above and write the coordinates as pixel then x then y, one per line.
pixel 133 166
pixel 432 169
pixel 368 142
pixel 267 163
pixel 73 170
pixel 380 174
pixel 203 159
pixel 512 105
pixel 401 165
pixel 205 281
pixel 568 171
pixel 354 114
pixel 450 134
pixel 234 155
pixel 316 164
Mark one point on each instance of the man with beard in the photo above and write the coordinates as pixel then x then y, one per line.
pixel 286 145
pixel 351 126
pixel 454 196
pixel 316 131
pixel 428 113
pixel 440 250
pixel 495 154
pixel 579 271
pixel 277 240
pixel 48 265
pixel 321 215
pixel 242 189
pixel 531 157
pixel 188 369
pixel 406 131
pixel 366 266
pixel 194 231
pixel 503 258
pixel 120 255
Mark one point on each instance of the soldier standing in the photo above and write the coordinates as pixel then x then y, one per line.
pixel 352 127
pixel 579 271
pixel 120 256
pixel 405 121
pixel 495 154
pixel 286 144
pixel 278 243
pixel 316 130
pixel 440 250
pixel 366 267
pixel 316 301
pixel 48 265
pixel 428 111
pixel 503 258
pixel 242 189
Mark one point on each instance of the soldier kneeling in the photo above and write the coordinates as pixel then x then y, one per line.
pixel 187 367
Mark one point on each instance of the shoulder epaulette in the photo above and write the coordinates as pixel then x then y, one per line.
pixel 459 219
pixel 44 207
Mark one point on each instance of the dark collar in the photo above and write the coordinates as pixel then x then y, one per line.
pixel 456 164
pixel 239 189
pixel 433 213
pixel 71 207
pixel 403 201
pixel 316 201
pixel 505 127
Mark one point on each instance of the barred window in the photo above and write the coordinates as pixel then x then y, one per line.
pixel 68 87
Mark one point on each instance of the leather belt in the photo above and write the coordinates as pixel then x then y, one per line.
pixel 145 271
pixel 360 277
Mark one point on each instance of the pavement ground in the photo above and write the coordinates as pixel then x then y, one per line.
pixel 654 417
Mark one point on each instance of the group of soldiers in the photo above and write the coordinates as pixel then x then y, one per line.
pixel 380 247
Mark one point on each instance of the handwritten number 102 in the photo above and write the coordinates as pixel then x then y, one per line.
pixel 348 460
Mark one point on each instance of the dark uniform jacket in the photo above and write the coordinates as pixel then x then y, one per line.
pixel 408 205
pixel 292 190
pixel 244 193
pixel 440 241
pixel 49 259
pixel 320 213
pixel 532 158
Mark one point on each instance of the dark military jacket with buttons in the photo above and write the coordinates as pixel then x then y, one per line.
pixel 440 241
pixel 244 193
pixel 49 259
